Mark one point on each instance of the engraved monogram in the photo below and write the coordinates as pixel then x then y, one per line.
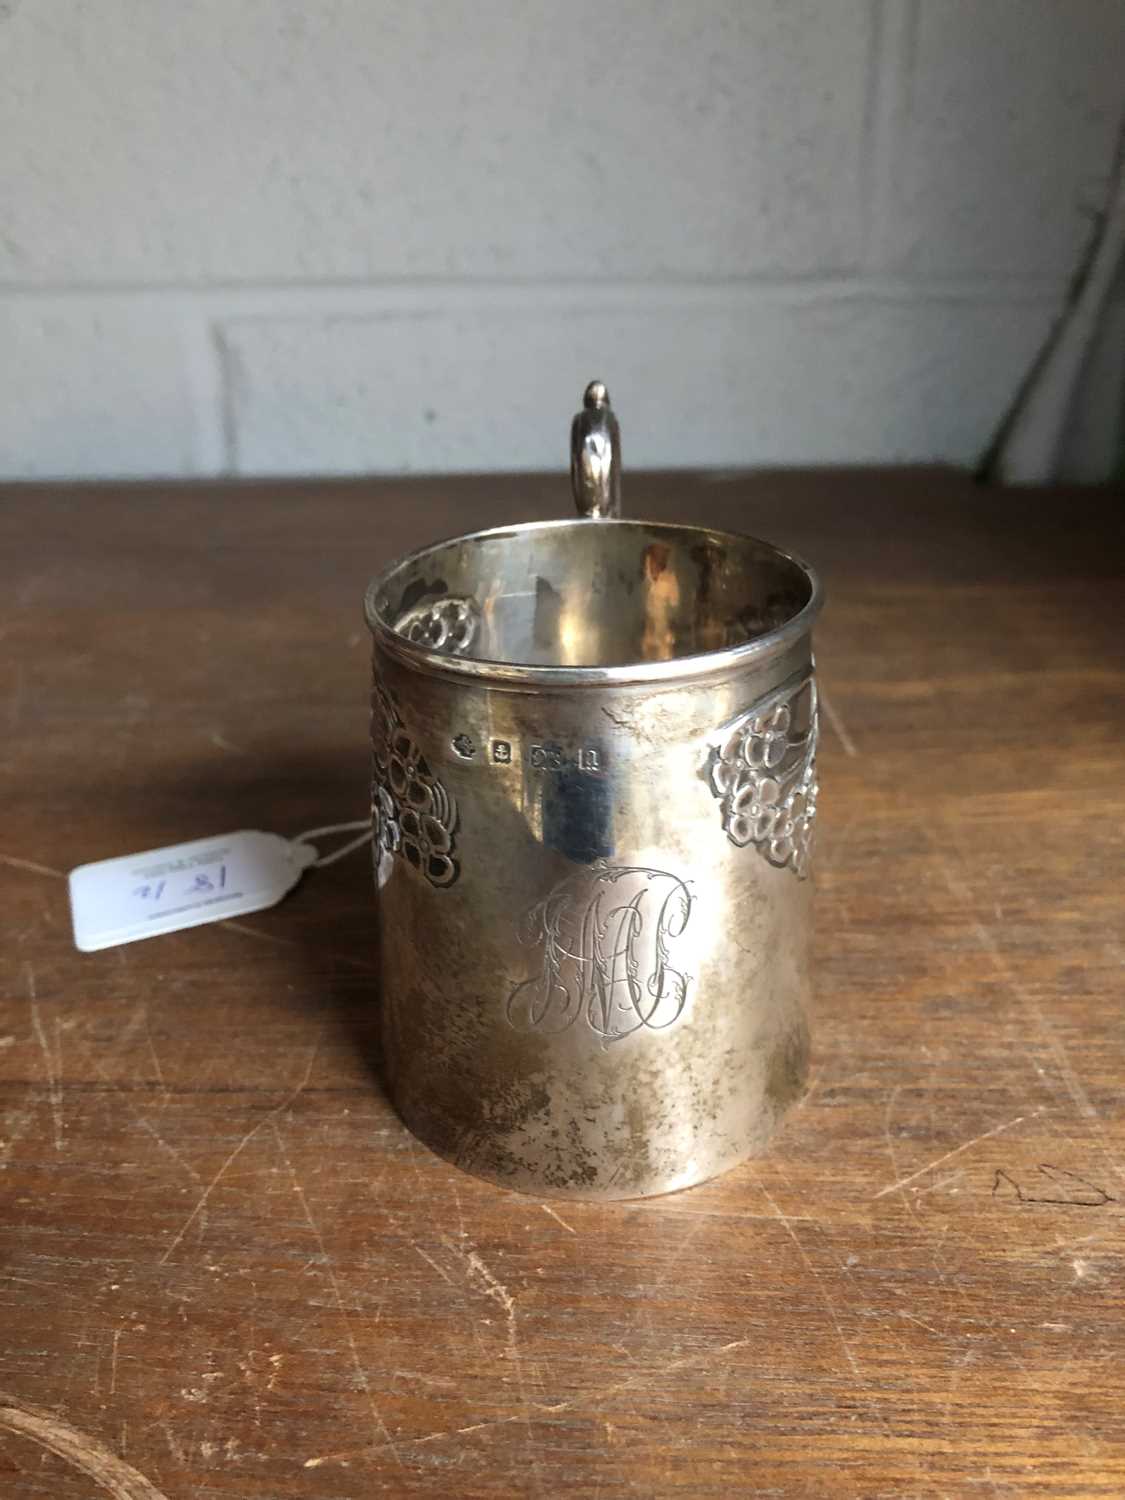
pixel 604 937
pixel 412 813
pixel 448 625
pixel 762 768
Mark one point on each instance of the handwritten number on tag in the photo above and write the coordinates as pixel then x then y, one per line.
pixel 201 883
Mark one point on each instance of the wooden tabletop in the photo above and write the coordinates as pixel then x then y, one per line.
pixel 228 1271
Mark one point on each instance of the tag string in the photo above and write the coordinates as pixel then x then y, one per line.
pixel 345 849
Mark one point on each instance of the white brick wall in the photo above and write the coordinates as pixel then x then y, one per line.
pixel 277 236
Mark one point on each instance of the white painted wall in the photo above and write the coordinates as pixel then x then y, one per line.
pixel 280 236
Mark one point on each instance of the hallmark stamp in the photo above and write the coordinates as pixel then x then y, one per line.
pixel 550 756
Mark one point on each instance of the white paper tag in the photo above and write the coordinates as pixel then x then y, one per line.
pixel 143 895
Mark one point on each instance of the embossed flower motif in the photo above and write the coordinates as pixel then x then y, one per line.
pixel 804 828
pixel 754 811
pixel 725 771
pixel 413 813
pixel 427 844
pixel 763 773
pixel 791 837
pixel 385 818
pixel 448 625
pixel 403 766
pixel 767 739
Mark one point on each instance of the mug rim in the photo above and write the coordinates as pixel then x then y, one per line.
pixel 697 665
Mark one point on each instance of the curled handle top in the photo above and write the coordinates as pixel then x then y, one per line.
pixel 595 456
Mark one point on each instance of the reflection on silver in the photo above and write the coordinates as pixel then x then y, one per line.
pixel 595 456
pixel 448 625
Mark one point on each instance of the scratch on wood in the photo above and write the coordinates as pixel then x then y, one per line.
pixel 18 1123
pixel 494 1288
pixel 175 1447
pixel 680 1248
pixel 943 1182
pixel 262 937
pixel 444 1382
pixel 156 1061
pixel 345 1455
pixel 38 1285
pixel 825 1298
pixel 1085 1239
pixel 249 1374
pixel 910 1318
pixel 547 1209
pixel 243 1143
pixel 956 1371
pixel 1071 1082
pixel 113 1362
pixel 131 1026
pixel 445 1276
pixel 837 724
pixel 461 1230
pixel 148 1126
pixel 201 1203
pixel 893 1187
pixel 888 1113
pixel 51 1065
pixel 660 1206
pixel 908 1200
pixel 86 1454
pixel 361 1373
pixel 1070 1079
pixel 911 1207
pixel 30 865
pixel 490 1284
pixel 635 1380
pixel 163 1144
pixel 286 942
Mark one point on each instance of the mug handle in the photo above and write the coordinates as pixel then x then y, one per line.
pixel 595 456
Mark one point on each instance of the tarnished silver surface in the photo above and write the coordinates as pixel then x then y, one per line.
pixel 594 795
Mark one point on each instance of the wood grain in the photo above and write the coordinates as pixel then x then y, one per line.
pixel 226 1269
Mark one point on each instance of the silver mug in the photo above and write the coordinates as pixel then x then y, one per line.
pixel 593 798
